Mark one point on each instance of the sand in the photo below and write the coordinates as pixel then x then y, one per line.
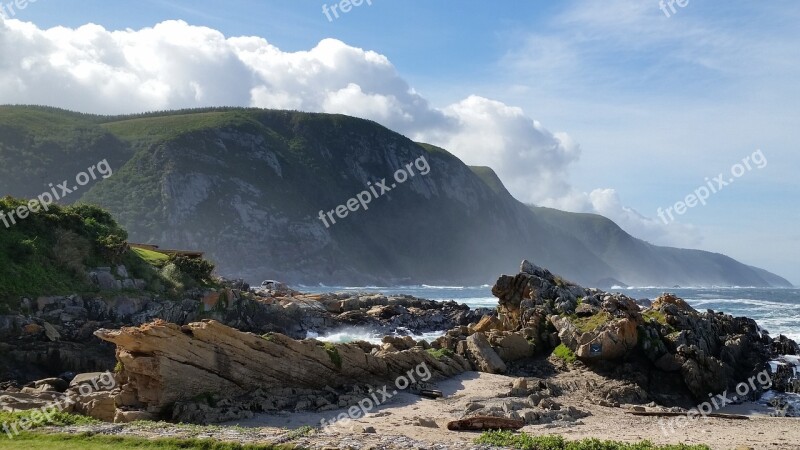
pixel 394 422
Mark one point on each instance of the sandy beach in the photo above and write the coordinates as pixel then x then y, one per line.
pixel 398 421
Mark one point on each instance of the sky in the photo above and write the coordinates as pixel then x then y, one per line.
pixel 619 107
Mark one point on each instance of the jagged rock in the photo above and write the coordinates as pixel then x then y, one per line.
pixel 586 310
pixel 51 332
pixel 512 347
pixel 72 320
pixel 98 405
pixel 672 301
pixel 488 323
pixel 711 351
pixel 51 385
pixel 482 354
pixel 164 363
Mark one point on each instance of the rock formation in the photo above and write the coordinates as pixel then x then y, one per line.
pixel 710 351
pixel 48 336
pixel 162 364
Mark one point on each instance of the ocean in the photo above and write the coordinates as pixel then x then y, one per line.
pixel 777 310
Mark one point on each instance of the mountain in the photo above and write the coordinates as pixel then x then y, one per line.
pixel 258 190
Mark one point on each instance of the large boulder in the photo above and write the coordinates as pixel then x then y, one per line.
pixel 483 355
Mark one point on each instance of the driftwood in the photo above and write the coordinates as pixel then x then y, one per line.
pixel 431 393
pixel 675 414
pixel 483 423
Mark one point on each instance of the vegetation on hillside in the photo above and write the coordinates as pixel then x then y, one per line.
pixel 49 253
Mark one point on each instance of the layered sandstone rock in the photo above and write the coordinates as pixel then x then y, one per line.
pixel 163 363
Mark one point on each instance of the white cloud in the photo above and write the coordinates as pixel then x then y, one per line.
pixel 175 65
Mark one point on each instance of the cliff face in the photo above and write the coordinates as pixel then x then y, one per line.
pixel 248 186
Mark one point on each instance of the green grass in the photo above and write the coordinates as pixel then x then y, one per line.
pixel 592 323
pixel 440 353
pixel 563 352
pixel 86 441
pixel 303 431
pixel 489 177
pixel 655 314
pixel 526 441
pixel 36 420
pixel 151 257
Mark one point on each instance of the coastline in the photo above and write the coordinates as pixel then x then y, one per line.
pixel 397 423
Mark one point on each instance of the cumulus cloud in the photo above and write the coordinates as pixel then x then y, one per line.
pixel 176 65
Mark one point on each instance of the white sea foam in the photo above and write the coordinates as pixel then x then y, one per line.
pixel 354 334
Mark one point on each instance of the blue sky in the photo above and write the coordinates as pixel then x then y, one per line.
pixel 652 105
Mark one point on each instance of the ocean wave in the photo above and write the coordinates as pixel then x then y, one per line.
pixel 347 335
pixel 728 302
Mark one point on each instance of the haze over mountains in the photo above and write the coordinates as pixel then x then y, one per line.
pixel 246 186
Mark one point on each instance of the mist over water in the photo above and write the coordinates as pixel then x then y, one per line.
pixel 777 310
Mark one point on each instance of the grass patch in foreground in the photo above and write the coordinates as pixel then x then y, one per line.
pixel 35 441
pixel 563 352
pixel 36 419
pixel 525 441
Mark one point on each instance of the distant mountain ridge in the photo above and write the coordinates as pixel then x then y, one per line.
pixel 247 185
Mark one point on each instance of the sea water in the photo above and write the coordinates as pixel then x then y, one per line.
pixel 776 310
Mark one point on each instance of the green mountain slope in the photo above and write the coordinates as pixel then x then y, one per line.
pixel 248 185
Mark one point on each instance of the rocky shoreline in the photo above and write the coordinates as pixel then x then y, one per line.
pixel 53 336
pixel 234 353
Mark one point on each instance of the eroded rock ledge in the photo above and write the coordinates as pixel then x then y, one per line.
pixel 163 364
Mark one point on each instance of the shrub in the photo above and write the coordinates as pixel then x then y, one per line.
pixel 563 352
pixel 333 353
pixel 71 250
pixel 441 353
pixel 195 268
